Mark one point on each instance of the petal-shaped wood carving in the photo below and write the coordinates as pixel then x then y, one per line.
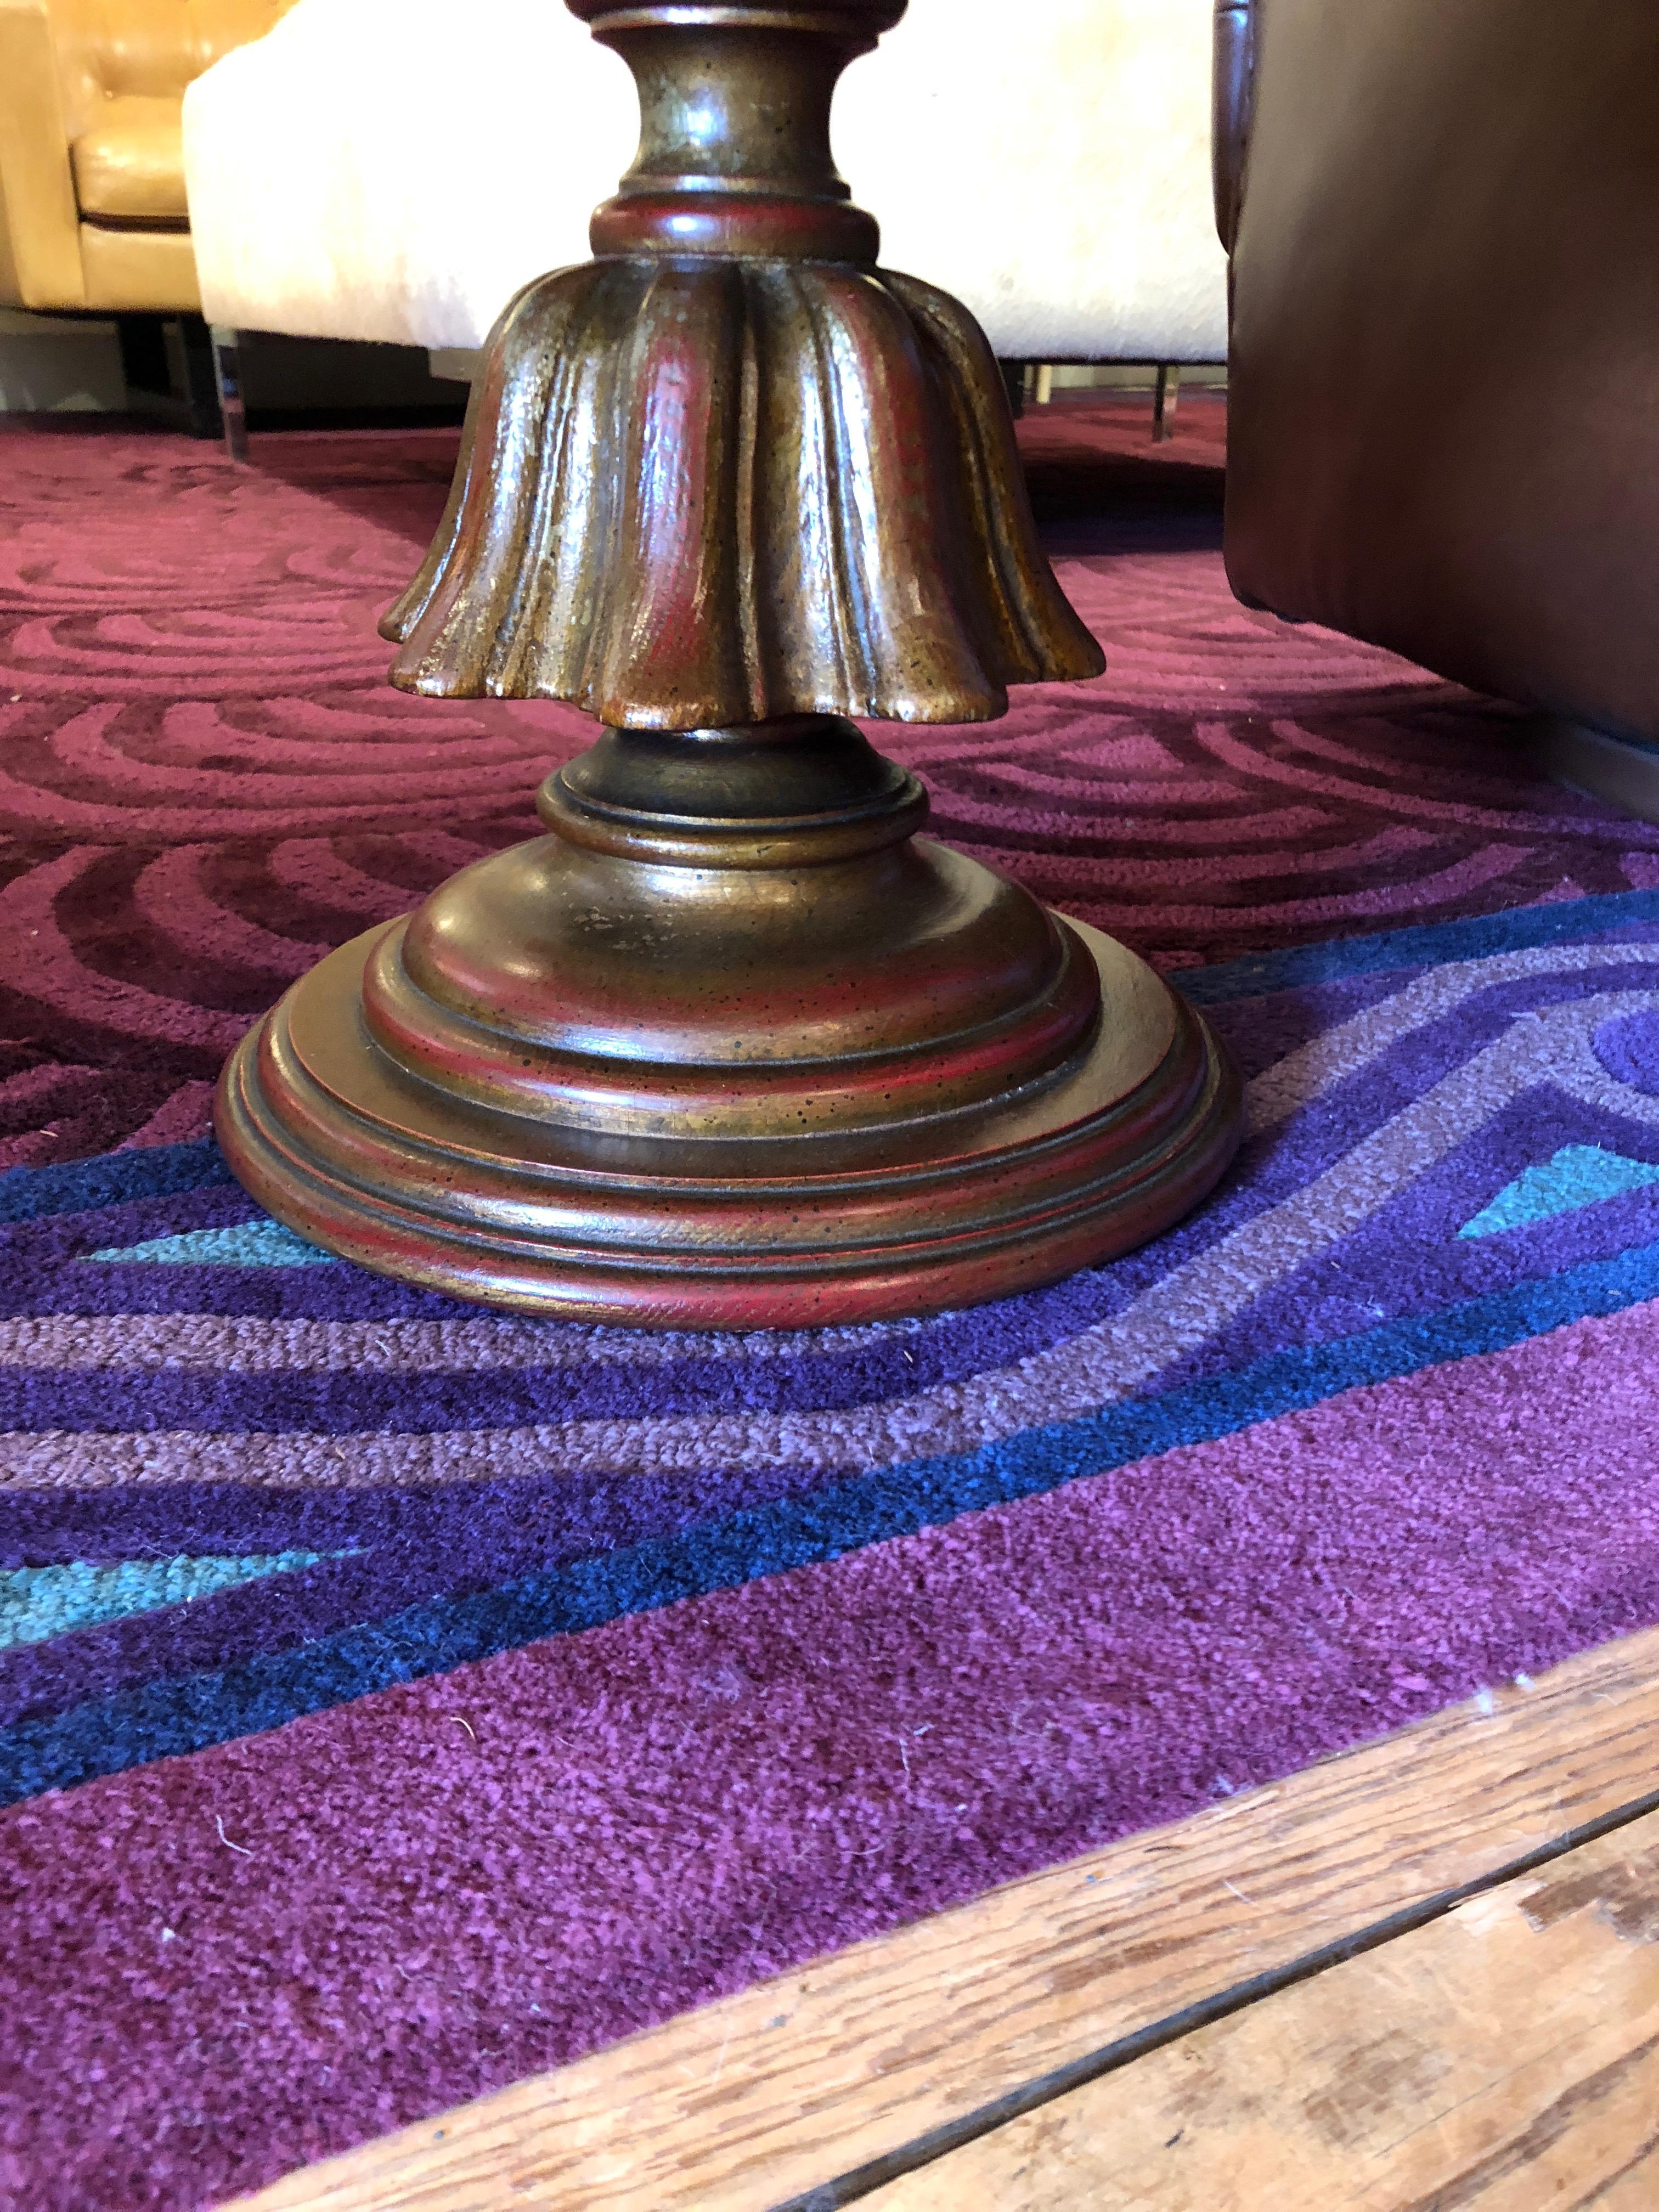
pixel 706 492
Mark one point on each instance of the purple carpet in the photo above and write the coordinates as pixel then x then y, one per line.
pixel 396 1699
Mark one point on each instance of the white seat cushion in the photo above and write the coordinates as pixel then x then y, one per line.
pixel 430 163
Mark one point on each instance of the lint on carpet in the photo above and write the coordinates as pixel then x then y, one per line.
pixel 396 1699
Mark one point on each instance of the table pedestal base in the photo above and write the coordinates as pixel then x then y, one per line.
pixel 733 1047
pixel 324 1131
pixel 729 1070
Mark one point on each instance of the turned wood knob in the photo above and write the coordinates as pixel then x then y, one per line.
pixel 734 128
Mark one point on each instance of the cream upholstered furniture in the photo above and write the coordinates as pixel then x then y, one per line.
pixel 93 211
pixel 433 159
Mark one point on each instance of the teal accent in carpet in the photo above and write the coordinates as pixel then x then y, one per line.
pixel 40 1603
pixel 249 1244
pixel 1577 1175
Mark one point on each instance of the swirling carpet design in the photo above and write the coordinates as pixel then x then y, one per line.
pixel 396 1699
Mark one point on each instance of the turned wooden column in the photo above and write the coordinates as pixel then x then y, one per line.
pixel 731 1045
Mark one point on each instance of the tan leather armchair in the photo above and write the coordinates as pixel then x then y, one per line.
pixel 92 176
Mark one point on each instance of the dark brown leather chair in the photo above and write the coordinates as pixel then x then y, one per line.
pixel 1443 434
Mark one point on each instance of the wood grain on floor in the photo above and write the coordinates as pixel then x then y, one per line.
pixel 849 2067
pixel 1501 2059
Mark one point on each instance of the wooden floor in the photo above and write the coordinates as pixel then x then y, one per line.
pixel 1424 1975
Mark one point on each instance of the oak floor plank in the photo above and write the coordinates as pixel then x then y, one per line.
pixel 1499 2059
pixel 761 2097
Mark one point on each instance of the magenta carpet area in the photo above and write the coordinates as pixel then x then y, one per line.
pixel 396 1699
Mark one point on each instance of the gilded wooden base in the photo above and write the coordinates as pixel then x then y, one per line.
pixel 730 1071
pixel 732 1046
pixel 328 1134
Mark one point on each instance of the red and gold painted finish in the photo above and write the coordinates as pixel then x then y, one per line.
pixel 731 1045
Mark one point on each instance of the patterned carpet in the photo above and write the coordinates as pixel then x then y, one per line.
pixel 205 780
pixel 396 1700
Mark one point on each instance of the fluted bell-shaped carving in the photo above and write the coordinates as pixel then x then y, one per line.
pixel 706 491
pixel 731 471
